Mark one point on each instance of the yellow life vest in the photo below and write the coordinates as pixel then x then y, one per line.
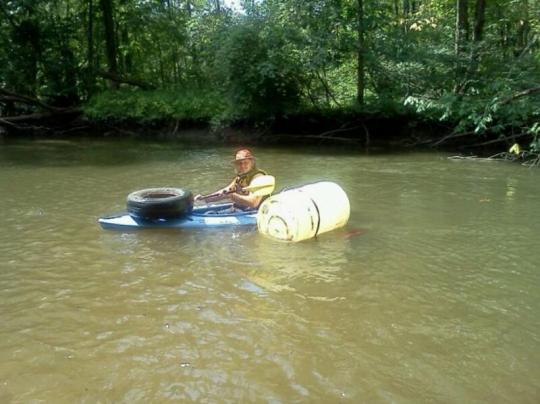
pixel 244 180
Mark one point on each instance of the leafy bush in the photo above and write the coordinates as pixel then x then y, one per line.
pixel 258 79
pixel 183 104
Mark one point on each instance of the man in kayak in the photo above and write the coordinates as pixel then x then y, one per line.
pixel 246 171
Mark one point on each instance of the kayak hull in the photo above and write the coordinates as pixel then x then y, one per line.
pixel 207 216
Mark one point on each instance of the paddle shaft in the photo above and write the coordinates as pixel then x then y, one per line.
pixel 259 191
pixel 216 194
pixel 261 186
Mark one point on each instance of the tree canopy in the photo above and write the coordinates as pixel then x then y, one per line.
pixel 472 63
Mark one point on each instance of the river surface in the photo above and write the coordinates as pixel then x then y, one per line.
pixel 431 293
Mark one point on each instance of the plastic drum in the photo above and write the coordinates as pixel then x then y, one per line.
pixel 304 212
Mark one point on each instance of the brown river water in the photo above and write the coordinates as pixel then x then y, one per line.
pixel 429 294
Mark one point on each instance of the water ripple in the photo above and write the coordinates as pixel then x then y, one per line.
pixel 429 294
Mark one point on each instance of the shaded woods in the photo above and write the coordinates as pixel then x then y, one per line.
pixel 469 67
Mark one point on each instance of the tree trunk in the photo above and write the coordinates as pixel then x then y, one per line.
pixel 127 61
pixel 479 20
pixel 90 72
pixel 524 28
pixel 110 41
pixel 176 64
pixel 461 37
pixel 360 80
pixel 478 31
pixel 462 25
pixel 161 69
pixel 90 35
pixel 500 28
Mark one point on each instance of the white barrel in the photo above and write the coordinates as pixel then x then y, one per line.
pixel 304 212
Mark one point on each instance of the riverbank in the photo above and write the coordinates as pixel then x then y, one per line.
pixel 379 128
pixel 361 131
pixel 367 130
pixel 203 115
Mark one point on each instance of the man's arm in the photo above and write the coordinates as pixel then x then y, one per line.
pixel 219 194
pixel 247 201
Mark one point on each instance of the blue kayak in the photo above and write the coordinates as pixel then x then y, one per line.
pixel 207 216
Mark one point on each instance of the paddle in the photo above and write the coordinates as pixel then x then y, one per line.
pixel 260 186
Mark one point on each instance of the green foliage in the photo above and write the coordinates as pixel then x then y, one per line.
pixel 472 90
pixel 147 106
pixel 281 57
pixel 535 131
pixel 258 79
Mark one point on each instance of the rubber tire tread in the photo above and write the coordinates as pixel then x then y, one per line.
pixel 178 202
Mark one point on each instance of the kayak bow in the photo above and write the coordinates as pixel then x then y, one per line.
pixel 207 216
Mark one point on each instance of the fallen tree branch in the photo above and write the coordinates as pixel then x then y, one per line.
pixel 41 123
pixel 40 116
pixel 74 129
pixel 126 80
pixel 23 128
pixel 451 136
pixel 8 124
pixel 330 132
pixel 531 159
pixel 499 140
pixel 496 157
pixel 117 130
pixel 532 163
pixel 341 139
pixel 463 157
pixel 14 97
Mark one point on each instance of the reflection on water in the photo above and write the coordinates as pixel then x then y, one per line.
pixel 316 261
pixel 430 293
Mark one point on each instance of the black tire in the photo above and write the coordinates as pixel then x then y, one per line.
pixel 160 203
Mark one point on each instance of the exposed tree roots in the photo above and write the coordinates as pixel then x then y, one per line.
pixel 527 159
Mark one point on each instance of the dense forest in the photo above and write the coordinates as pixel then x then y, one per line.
pixel 472 66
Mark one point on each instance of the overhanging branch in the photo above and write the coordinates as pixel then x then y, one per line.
pixel 521 94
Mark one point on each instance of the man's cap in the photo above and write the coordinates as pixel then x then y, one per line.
pixel 243 154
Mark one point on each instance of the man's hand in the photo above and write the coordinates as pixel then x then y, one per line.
pixel 240 190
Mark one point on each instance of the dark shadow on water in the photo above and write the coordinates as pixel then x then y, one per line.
pixel 88 152
pixel 63 152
